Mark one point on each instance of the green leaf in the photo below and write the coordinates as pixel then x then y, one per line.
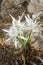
pixel 29 38
pixel 20 40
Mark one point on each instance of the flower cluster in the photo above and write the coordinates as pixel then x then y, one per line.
pixel 16 31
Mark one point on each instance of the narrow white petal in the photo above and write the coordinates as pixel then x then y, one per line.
pixel 28 16
pixel 16 43
pixel 7 40
pixel 5 30
pixel 22 37
pixel 35 22
pixel 20 17
pixel 13 19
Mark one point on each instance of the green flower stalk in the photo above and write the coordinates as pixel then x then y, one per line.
pixel 26 42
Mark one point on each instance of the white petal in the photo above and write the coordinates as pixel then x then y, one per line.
pixel 28 16
pixel 5 30
pixel 20 17
pixel 13 19
pixel 16 44
pixel 22 37
pixel 7 40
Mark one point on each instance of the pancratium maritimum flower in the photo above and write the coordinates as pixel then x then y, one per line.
pixel 12 32
pixel 31 25
pixel 15 30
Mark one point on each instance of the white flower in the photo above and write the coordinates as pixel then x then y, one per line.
pixel 18 23
pixel 14 30
pixel 31 25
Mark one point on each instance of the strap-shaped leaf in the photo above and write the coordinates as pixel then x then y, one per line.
pixel 29 38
